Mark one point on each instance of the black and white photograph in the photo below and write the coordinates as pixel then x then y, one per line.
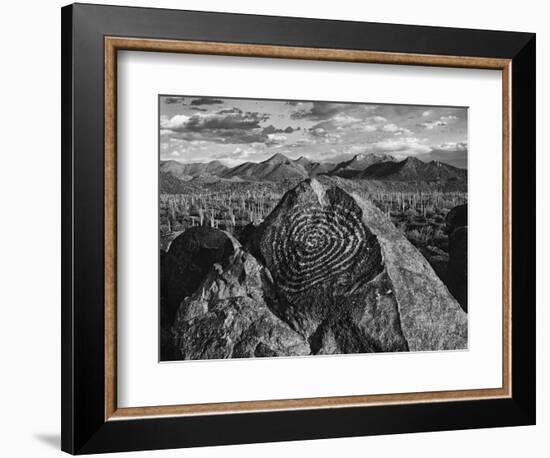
pixel 275 229
pixel 296 228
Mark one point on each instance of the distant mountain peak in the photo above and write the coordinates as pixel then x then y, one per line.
pixel 372 156
pixel 277 158
pixel 303 161
pixel 413 169
pixel 359 163
pixel 413 159
pixel 278 167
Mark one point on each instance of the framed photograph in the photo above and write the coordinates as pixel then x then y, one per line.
pixel 283 228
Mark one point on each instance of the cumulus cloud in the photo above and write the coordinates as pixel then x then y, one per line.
pixel 206 101
pixel 448 118
pixel 275 139
pixel 273 130
pixel 408 146
pixel 232 110
pixel 453 153
pixel 442 121
pixel 225 126
pixel 396 130
pixel 174 100
pixel 301 142
pixel 348 123
pixel 319 111
pixel 239 155
pixel 432 124
pixel 453 146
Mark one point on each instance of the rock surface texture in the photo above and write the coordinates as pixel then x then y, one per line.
pixel 325 273
pixel 227 316
pixel 189 258
pixel 457 269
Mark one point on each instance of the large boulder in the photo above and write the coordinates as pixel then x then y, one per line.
pixel 347 280
pixel 227 316
pixel 190 257
pixel 457 217
pixel 457 269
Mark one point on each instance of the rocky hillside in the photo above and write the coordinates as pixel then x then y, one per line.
pixel 412 169
pixel 169 184
pixel 188 171
pixel 359 163
pixel 276 168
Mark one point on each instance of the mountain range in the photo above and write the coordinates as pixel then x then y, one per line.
pixel 189 171
pixel 359 163
pixel 372 166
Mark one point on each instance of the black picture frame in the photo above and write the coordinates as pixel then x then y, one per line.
pixel 84 428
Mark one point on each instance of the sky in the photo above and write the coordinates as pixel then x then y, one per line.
pixel 233 131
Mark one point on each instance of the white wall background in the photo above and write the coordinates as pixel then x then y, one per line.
pixel 30 227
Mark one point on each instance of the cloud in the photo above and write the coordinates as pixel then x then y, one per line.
pixel 239 155
pixel 301 142
pixel 345 123
pixel 396 130
pixel 442 121
pixel 453 146
pixel 320 111
pixel 275 139
pixel 432 124
pixel 204 122
pixel 273 130
pixel 318 131
pixel 172 123
pixel 228 127
pixel 206 101
pixel 232 110
pixel 174 100
pixel 448 118
pixel 453 153
pixel 427 113
pixel 400 147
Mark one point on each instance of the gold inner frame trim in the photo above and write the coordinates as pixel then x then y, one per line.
pixel 114 44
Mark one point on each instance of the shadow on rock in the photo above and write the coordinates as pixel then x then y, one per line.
pixel 457 270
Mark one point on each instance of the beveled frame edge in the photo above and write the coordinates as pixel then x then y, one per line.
pixel 112 45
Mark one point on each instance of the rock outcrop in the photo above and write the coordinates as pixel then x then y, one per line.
pixel 189 258
pixel 325 273
pixel 227 316
pixel 457 269
pixel 348 281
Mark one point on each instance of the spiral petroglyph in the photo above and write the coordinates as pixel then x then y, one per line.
pixel 316 244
